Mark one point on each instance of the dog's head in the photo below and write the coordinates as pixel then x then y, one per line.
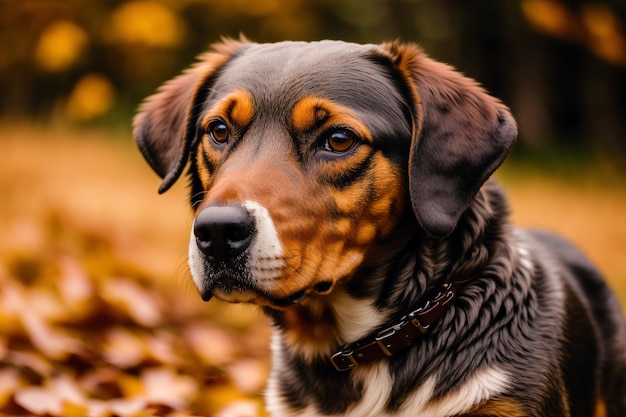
pixel 308 160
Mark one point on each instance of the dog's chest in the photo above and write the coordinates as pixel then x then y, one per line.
pixel 377 386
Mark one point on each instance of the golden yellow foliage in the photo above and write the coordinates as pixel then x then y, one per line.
pixel 60 46
pixel 606 36
pixel 551 17
pixel 146 22
pixel 595 25
pixel 92 96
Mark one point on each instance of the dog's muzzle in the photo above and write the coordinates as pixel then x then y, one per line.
pixel 236 255
pixel 219 250
pixel 223 232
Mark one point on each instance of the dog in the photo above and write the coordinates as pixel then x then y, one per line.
pixel 345 189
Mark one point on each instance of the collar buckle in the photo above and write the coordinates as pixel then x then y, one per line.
pixel 344 360
pixel 423 328
pixel 382 337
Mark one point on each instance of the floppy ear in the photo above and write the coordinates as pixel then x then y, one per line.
pixel 460 136
pixel 165 124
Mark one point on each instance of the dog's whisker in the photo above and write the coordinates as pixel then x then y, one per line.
pixel 197 198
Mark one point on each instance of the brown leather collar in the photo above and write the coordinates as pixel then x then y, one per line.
pixel 400 335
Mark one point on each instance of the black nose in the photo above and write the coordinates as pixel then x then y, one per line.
pixel 223 232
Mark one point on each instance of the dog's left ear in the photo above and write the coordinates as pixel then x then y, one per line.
pixel 460 136
pixel 165 125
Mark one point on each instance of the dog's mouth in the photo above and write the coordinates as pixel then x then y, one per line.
pixel 238 294
pixel 234 290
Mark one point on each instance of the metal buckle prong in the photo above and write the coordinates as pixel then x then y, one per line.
pixel 413 319
pixel 344 354
pixel 381 337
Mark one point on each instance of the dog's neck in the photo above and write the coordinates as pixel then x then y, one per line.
pixel 321 325
pixel 379 296
pixel 402 333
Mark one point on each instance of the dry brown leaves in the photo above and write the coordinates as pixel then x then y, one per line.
pixel 85 333
pixel 92 322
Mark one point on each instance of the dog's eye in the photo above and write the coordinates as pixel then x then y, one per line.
pixel 340 141
pixel 219 132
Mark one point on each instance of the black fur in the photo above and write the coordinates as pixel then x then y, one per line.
pixel 535 310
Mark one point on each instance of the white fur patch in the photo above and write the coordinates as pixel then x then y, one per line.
pixel 195 262
pixel 273 401
pixel 525 259
pixel 265 255
pixel 356 318
pixel 482 386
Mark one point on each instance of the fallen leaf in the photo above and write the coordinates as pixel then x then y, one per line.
pixel 73 410
pixel 75 287
pixel 141 305
pixel 119 406
pixel 103 382
pixel 131 386
pixel 213 345
pixel 165 386
pixel 124 348
pixel 46 303
pixel 161 347
pixel 52 341
pixel 9 382
pixel 33 361
pixel 39 400
pixel 12 299
pixel 4 350
pixel 248 375
pixel 215 398
pixel 242 408
pixel 67 388
pixel 52 398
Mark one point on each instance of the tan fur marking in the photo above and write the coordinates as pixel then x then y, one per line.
pixel 242 111
pixel 221 193
pixel 366 233
pixel 203 173
pixel 307 113
pixel 313 112
pixel 336 168
pixel 347 200
pixel 386 178
pixel 499 408
pixel 404 56
pixel 237 108
pixel 309 326
pixel 160 123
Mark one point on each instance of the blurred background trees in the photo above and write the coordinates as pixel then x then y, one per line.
pixel 559 64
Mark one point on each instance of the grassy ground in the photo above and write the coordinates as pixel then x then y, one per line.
pixel 587 207
pixel 98 315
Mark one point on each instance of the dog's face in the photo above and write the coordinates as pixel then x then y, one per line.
pixel 310 160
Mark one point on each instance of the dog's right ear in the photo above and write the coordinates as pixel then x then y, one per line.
pixel 461 135
pixel 165 125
